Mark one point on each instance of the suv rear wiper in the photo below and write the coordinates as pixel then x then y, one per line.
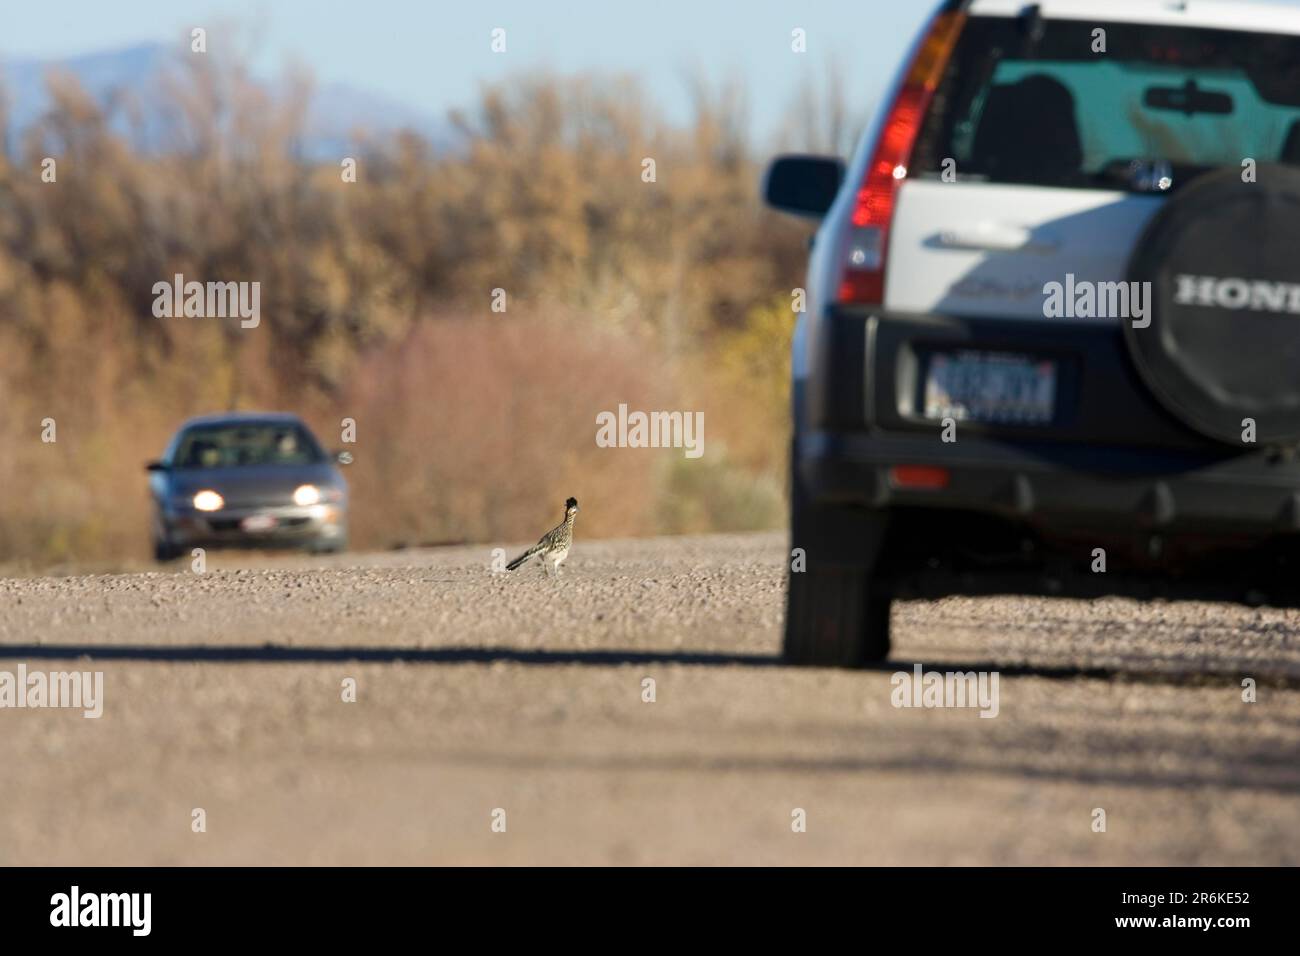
pixel 1146 175
pixel 1150 175
pixel 1141 175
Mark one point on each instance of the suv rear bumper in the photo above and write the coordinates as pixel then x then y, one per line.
pixel 1241 495
pixel 1112 456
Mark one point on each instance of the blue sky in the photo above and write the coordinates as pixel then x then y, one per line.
pixel 434 54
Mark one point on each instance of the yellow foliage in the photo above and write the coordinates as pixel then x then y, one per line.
pixel 375 303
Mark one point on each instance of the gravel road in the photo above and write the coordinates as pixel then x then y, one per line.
pixel 478 692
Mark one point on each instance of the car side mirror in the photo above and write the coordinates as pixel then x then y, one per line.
pixel 155 466
pixel 803 185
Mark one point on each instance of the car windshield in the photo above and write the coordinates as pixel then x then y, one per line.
pixel 1040 103
pixel 239 444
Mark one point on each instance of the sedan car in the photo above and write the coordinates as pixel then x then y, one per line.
pixel 246 480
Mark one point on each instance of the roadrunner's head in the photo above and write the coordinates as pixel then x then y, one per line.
pixel 571 507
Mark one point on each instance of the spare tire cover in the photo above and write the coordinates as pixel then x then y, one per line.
pixel 1223 343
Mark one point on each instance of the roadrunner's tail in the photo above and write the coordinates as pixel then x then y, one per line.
pixel 531 552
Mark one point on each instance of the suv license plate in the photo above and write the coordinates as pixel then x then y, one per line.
pixel 990 387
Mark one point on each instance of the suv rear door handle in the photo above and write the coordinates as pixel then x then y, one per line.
pixel 998 237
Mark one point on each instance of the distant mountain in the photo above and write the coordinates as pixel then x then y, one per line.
pixel 134 76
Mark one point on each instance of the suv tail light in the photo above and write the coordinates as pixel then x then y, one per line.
pixel 866 241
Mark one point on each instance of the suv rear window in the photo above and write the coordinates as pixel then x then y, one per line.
pixel 1028 101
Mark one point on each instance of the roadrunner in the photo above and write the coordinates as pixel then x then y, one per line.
pixel 554 546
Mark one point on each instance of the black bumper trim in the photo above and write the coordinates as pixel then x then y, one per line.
pixel 1243 494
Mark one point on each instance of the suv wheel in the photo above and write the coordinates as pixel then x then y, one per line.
pixel 837 613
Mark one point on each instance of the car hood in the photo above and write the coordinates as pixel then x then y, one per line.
pixel 255 484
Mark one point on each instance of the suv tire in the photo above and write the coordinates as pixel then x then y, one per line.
pixel 837 612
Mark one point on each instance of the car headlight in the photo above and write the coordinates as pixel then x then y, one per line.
pixel 305 495
pixel 208 500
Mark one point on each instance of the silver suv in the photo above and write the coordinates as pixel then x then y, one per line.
pixel 1052 343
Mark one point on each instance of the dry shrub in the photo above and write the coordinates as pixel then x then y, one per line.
pixel 477 429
